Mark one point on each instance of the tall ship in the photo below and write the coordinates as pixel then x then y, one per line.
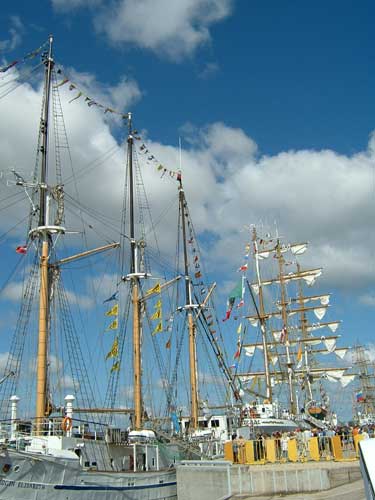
pixel 283 341
pixel 364 388
pixel 102 394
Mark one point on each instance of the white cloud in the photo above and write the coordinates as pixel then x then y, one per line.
pixel 119 97
pixel 16 32
pixel 319 196
pixel 170 28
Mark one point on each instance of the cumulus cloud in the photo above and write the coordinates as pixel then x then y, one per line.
pixel 319 196
pixel 171 29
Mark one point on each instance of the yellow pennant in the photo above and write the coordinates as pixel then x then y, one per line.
pixel 155 289
pixel 113 311
pixel 113 353
pixel 159 328
pixel 158 304
pixel 157 314
pixel 239 329
pixel 115 367
pixel 113 325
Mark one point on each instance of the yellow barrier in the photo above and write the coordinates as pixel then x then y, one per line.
pixel 292 450
pixel 228 451
pixel 260 451
pixel 314 449
pixel 271 450
pixel 336 447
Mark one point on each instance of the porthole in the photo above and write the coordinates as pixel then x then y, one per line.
pixel 16 468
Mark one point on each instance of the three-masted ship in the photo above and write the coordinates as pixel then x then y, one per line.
pixel 284 371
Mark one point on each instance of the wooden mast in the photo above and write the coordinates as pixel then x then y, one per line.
pixel 304 333
pixel 262 320
pixel 284 316
pixel 44 237
pixel 191 326
pixel 134 283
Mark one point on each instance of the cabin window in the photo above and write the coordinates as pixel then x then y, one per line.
pixel 6 468
pixel 263 410
pixel 215 423
pixel 153 461
pixel 94 464
pixel 87 464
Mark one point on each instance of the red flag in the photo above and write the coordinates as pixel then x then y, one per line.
pixel 21 249
pixel 237 355
pixel 243 268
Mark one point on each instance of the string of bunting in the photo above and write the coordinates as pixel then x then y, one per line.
pixel 114 351
pixel 28 56
pixel 143 149
pixel 88 100
pixel 198 274
pixel 151 159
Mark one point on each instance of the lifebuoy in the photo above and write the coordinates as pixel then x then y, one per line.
pixel 66 424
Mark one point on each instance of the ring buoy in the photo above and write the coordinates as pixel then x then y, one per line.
pixel 66 424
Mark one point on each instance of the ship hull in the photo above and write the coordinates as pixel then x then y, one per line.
pixel 266 426
pixel 33 477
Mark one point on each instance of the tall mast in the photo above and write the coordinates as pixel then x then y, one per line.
pixel 262 320
pixel 284 316
pixel 304 332
pixel 43 233
pixel 189 307
pixel 134 280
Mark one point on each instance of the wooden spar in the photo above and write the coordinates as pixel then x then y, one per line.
pixel 105 410
pixel 41 373
pixel 86 254
pixel 43 340
pixel 262 319
pixel 137 358
pixel 290 312
pixel 193 372
pixel 308 340
pixel 191 326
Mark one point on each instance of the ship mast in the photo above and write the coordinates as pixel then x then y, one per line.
pixel 189 306
pixel 134 283
pixel 284 316
pixel 43 232
pixel 262 320
pixel 303 324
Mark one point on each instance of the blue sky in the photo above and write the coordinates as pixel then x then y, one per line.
pixel 274 102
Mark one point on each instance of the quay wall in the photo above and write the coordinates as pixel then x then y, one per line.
pixel 219 480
